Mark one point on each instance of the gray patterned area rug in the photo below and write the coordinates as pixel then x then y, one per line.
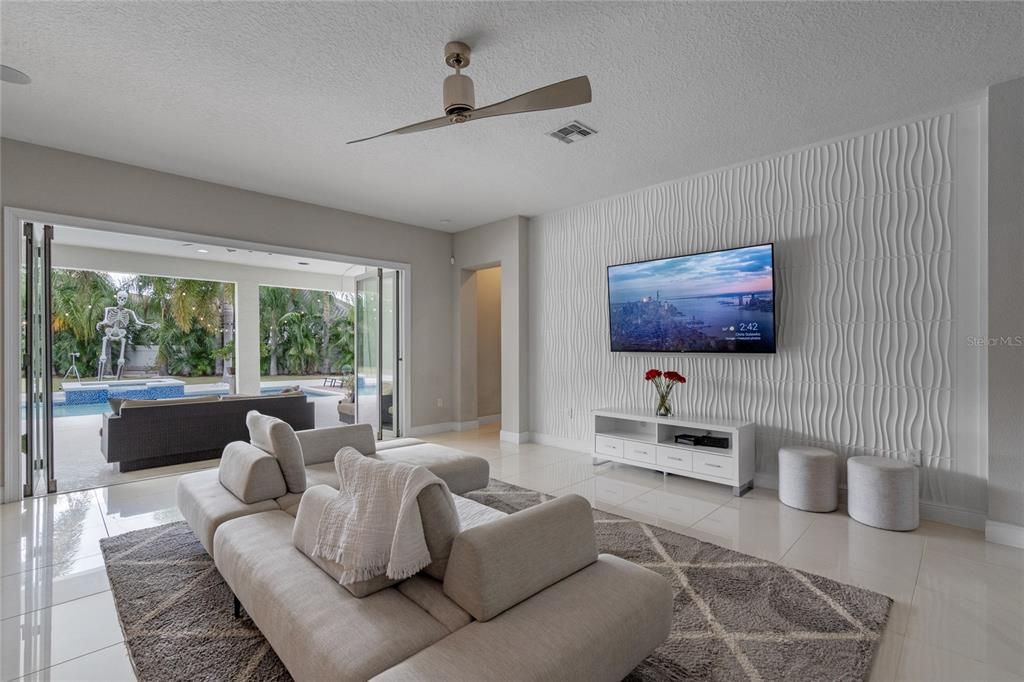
pixel 736 617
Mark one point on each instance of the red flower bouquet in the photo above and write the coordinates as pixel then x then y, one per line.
pixel 664 382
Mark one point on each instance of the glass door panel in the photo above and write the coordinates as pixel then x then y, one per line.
pixel 389 354
pixel 377 351
pixel 37 362
pixel 367 350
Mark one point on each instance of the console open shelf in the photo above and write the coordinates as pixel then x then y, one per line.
pixel 644 440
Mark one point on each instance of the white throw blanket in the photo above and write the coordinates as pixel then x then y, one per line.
pixel 374 527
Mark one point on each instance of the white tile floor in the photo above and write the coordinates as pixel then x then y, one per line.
pixel 959 611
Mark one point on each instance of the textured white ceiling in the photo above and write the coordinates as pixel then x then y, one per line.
pixel 264 95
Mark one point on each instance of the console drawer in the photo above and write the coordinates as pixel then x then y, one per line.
pixel 714 465
pixel 641 452
pixel 674 458
pixel 611 447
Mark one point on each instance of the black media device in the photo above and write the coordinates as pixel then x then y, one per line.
pixel 705 441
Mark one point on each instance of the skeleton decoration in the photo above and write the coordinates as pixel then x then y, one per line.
pixel 116 320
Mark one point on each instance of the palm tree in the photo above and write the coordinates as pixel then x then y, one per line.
pixel 189 311
pixel 78 300
pixel 275 302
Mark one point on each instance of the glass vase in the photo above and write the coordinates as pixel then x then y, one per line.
pixel 664 406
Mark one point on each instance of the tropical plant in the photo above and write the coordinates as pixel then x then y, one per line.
pixel 190 327
pixel 78 300
pixel 301 331
pixel 305 332
pixel 275 302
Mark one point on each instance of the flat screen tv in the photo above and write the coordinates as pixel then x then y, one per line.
pixel 714 302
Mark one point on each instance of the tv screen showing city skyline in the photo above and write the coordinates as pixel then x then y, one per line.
pixel 714 302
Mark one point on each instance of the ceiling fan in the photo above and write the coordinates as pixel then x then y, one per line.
pixel 459 101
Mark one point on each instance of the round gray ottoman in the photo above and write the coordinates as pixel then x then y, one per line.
pixel 809 478
pixel 882 492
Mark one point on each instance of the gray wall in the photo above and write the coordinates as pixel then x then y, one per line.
pixel 501 243
pixel 488 342
pixel 1006 302
pixel 55 181
pixel 869 251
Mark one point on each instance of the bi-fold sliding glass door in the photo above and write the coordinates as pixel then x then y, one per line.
pixel 377 351
pixel 37 361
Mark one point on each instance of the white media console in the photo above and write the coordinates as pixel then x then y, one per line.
pixel 644 440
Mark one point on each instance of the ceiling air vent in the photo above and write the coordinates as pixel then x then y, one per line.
pixel 572 131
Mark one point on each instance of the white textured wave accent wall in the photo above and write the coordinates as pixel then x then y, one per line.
pixel 864 277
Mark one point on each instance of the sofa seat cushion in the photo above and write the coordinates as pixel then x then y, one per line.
pixel 322 474
pixel 472 513
pixel 317 629
pixel 596 625
pixel 206 504
pixel 428 594
pixel 462 471
pixel 398 443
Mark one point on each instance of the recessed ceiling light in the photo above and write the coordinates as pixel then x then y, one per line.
pixel 12 75
pixel 202 251
pixel 446 221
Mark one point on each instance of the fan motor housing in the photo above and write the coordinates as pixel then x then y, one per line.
pixel 459 97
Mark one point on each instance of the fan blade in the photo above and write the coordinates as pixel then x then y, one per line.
pixel 414 128
pixel 568 93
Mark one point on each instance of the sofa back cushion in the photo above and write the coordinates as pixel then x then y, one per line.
pixel 276 437
pixel 321 445
pixel 133 404
pixel 496 565
pixel 440 527
pixel 251 474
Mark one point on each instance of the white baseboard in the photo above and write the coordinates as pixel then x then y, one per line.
pixel 954 516
pixel 1004 533
pixel 932 511
pixel 560 442
pixel 515 436
pixel 430 429
pixel 489 419
pixel 443 427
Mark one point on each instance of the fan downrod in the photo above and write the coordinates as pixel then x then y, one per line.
pixel 456 55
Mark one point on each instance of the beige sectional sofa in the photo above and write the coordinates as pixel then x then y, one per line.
pixel 206 503
pixel 524 596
